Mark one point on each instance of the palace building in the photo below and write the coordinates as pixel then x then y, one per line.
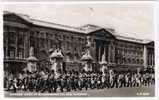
pixel 22 32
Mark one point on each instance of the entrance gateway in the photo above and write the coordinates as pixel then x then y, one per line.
pixel 96 51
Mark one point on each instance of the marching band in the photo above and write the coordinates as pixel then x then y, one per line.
pixel 47 81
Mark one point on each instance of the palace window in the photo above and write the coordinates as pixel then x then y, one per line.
pixel 93 43
pixel 79 39
pixel 5 35
pixel 138 62
pixel 129 60
pixel 55 36
pixel 141 61
pixel 51 36
pixel 51 43
pixel 11 38
pixel 71 38
pixel 64 37
pixel 20 39
pixel 83 40
pixel 20 53
pixel 68 46
pixel 32 33
pixel 11 52
pixel 47 35
pixel 60 37
pixel 37 34
pixel 32 41
pixel 4 49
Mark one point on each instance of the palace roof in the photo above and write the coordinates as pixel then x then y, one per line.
pixel 86 29
pixel 130 39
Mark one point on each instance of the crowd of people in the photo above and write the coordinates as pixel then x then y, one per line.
pixel 48 81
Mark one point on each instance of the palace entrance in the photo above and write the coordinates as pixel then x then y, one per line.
pixel 101 47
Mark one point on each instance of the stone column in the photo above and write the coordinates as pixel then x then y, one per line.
pixel 109 53
pixel 94 50
pixel 16 45
pixel 6 43
pixel 27 43
pixel 150 58
pixel 104 52
pixel 24 37
pixel 113 54
pixel 153 59
pixel 145 56
pixel 99 53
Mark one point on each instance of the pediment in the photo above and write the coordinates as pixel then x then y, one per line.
pixel 103 33
pixel 15 18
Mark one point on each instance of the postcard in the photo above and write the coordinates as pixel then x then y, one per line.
pixel 79 50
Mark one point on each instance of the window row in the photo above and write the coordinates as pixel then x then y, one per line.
pixel 11 52
pixel 59 36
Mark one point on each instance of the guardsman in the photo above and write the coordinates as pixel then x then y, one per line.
pixel 44 81
pixel 52 81
pixel 120 80
pixel 15 87
pixel 85 81
pixel 80 82
pixel 12 83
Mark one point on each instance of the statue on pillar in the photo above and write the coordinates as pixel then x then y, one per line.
pixel 87 58
pixel 56 59
pixel 76 57
pixel 68 56
pixel 88 42
pixel 32 61
pixel 103 64
pixel 31 52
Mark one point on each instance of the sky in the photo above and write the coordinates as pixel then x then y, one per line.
pixel 131 20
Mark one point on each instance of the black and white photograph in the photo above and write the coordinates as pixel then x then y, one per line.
pixel 79 50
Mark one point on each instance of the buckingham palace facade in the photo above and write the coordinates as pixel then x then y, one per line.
pixel 22 32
